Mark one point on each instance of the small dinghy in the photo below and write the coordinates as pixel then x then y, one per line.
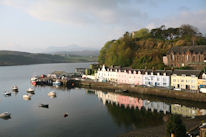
pixel 52 94
pixel 5 115
pixel 30 90
pixel 27 97
pixel 7 93
pixel 66 115
pixel 15 88
pixel 44 105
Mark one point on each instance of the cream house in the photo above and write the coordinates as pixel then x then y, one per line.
pixel 185 79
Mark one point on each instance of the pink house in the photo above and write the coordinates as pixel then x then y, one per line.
pixel 122 77
pixel 129 77
pixel 135 77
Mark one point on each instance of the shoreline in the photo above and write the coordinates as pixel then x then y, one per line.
pixel 161 92
pixel 43 63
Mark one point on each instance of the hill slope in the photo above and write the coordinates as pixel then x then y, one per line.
pixel 24 58
pixel 145 48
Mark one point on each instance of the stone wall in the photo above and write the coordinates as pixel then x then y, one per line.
pixel 200 97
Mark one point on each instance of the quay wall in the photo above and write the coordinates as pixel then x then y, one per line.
pixel 183 95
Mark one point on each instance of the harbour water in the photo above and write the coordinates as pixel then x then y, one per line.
pixel 91 113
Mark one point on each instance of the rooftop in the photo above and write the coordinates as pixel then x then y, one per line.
pixel 191 49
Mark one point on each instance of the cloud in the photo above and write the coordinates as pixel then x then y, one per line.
pixel 195 18
pixel 80 11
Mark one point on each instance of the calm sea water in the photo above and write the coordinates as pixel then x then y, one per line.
pixel 91 113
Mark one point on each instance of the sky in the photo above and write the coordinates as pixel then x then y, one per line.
pixel 43 25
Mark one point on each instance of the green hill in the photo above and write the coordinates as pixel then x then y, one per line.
pixel 24 58
pixel 144 48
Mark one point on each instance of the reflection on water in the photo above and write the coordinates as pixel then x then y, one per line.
pixel 135 103
pixel 187 111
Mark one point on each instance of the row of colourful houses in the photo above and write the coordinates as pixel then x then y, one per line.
pixel 179 79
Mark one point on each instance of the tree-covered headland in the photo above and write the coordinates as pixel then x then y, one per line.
pixel 145 48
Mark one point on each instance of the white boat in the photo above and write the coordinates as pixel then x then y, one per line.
pixel 15 88
pixel 34 78
pixel 52 94
pixel 27 97
pixel 7 93
pixel 57 83
pixel 5 115
pixel 30 90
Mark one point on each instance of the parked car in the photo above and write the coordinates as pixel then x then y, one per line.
pixel 177 89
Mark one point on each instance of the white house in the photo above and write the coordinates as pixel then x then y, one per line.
pixel 158 78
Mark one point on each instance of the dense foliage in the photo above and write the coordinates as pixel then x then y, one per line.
pixel 144 48
pixel 175 126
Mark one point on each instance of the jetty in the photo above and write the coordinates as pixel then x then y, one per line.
pixel 57 78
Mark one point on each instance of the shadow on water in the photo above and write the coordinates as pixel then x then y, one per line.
pixel 130 117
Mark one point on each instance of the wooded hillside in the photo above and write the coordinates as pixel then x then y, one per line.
pixel 145 48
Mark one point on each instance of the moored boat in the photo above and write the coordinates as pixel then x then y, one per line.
pixel 27 97
pixel 52 94
pixel 33 83
pixel 30 90
pixel 44 105
pixel 7 93
pixel 57 83
pixel 15 88
pixel 5 115
pixel 34 78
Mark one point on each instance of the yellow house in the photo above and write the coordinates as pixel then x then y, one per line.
pixel 185 79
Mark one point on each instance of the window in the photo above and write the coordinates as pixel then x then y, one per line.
pixel 193 58
pixel 174 80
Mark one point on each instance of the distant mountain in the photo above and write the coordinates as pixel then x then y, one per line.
pixel 72 50
pixel 78 53
pixel 24 58
pixel 69 48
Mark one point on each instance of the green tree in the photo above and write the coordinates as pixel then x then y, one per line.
pixel 142 33
pixel 175 126
pixel 103 51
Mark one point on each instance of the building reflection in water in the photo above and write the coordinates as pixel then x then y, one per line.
pixel 187 111
pixel 139 104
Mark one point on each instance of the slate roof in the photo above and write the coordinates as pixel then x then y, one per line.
pixel 197 73
pixel 191 49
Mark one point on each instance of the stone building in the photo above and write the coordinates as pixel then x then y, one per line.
pixel 185 56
